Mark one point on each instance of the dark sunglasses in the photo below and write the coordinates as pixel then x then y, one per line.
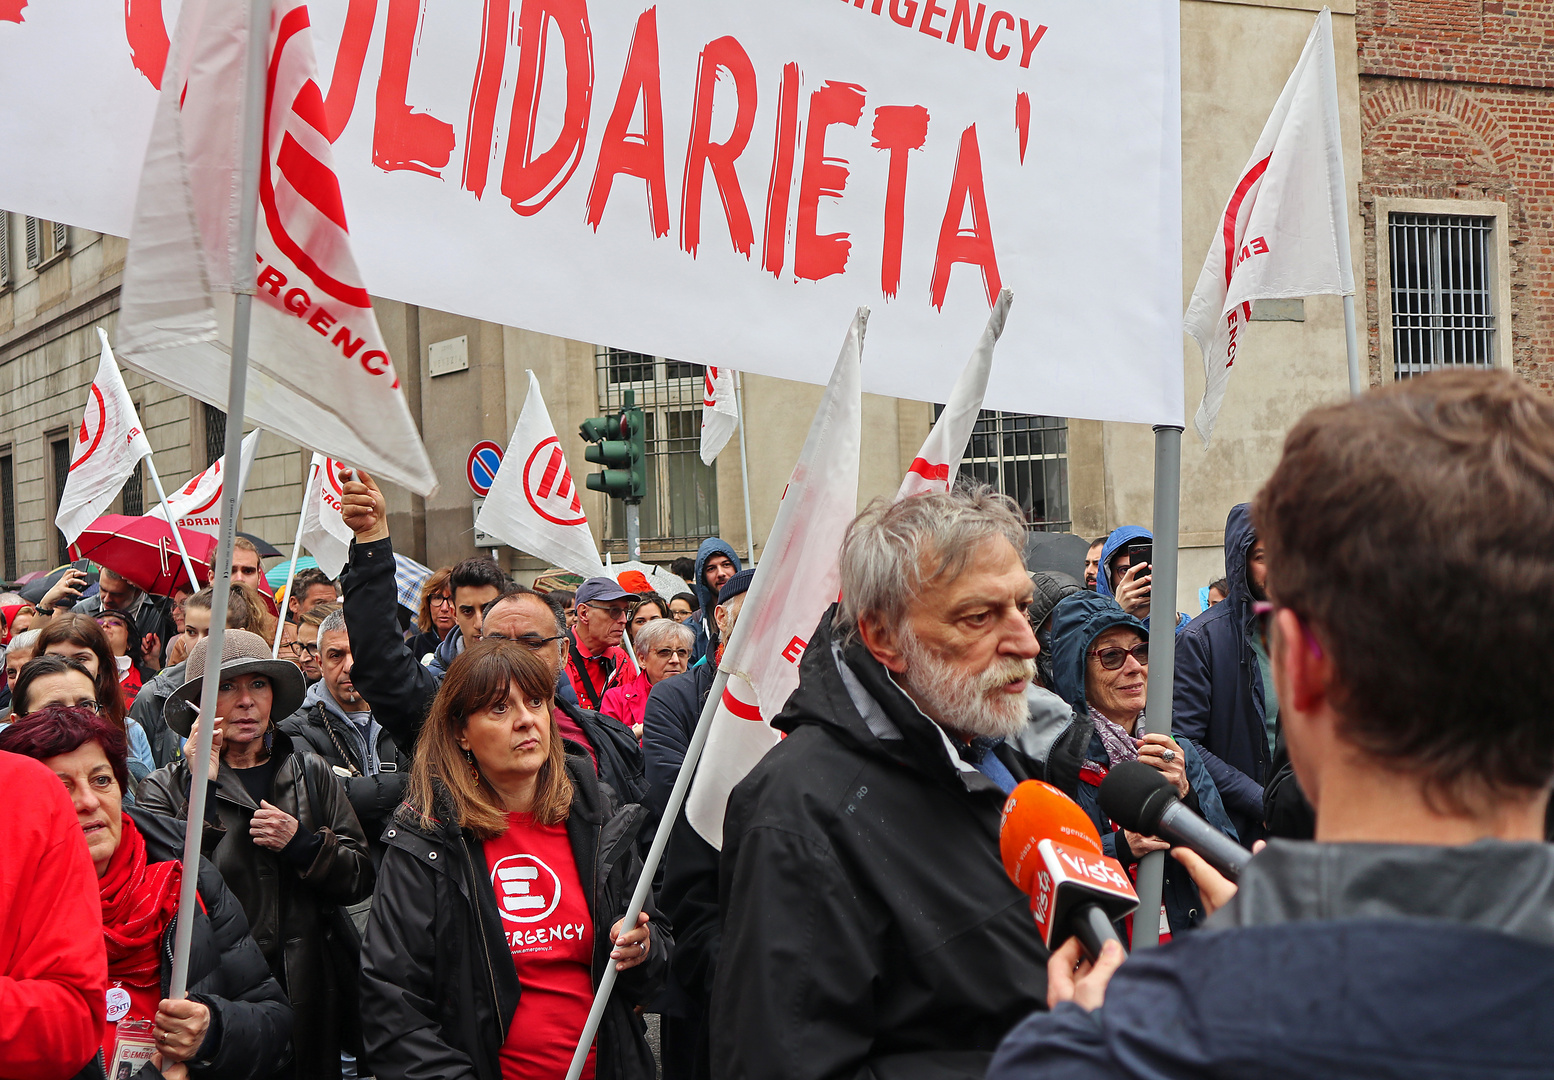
pixel 1112 659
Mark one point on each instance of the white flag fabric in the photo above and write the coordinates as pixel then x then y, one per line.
pixel 938 462
pixel 719 411
pixel 324 532
pixel 198 503
pixel 534 504
pixel 108 445
pixel 1283 230
pixel 319 372
pixel 798 579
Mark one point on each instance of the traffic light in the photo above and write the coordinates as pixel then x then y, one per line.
pixel 620 445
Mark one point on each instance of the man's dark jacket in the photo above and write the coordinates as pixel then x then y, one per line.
pixel 1341 961
pixel 439 988
pixel 250 1030
pixel 374 797
pixel 1218 698
pixel 401 689
pixel 869 929
pixel 668 721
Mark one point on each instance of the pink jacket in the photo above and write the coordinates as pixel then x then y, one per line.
pixel 627 701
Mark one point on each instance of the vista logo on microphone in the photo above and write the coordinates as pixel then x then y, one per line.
pixel 1068 876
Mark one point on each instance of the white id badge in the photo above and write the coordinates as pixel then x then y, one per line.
pixel 134 1048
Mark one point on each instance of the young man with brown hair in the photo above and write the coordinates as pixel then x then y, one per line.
pixel 1410 558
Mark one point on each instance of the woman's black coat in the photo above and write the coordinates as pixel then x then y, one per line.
pixel 439 988
pixel 250 1023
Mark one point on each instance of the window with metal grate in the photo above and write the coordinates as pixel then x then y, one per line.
pixel 134 493
pixel 8 515
pixel 681 507
pixel 1442 310
pixel 215 433
pixel 59 450
pixel 34 243
pixel 5 249
pixel 1026 458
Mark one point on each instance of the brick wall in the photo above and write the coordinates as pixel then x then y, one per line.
pixel 1457 102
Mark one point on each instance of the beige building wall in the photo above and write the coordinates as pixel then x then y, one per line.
pixel 1236 56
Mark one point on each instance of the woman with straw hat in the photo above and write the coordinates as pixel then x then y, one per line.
pixel 282 833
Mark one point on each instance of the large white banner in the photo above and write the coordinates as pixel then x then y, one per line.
pixel 720 181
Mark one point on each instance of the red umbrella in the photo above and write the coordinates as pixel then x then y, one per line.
pixel 141 550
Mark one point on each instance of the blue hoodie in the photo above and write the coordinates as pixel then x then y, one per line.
pixel 1114 543
pixel 1076 622
pixel 1218 691
pixel 706 629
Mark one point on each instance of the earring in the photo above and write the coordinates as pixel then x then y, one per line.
pixel 474 770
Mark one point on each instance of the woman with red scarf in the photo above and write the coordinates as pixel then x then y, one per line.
pixel 236 1023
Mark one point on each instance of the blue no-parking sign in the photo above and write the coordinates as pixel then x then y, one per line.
pixel 480 470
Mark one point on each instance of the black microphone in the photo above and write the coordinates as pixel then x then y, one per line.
pixel 1139 797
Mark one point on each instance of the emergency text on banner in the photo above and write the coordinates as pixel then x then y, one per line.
pixel 198 503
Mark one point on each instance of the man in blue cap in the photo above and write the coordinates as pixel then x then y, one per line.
pixel 595 659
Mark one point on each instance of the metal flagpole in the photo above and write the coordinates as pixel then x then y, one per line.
pixel 172 521
pixel 237 387
pixel 682 788
pixel 296 546
pixel 744 465
pixel 1162 653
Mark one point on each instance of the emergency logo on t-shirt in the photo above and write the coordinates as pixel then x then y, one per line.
pixel 526 889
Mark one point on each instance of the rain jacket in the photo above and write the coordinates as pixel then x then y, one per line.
pixel 702 622
pixel 439 988
pixel 374 793
pixel 165 744
pixel 1341 961
pixel 1103 585
pixel 1218 695
pixel 869 929
pixel 1076 622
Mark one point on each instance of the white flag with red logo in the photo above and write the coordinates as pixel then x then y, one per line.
pixel 719 411
pixel 108 445
pixel 534 504
pixel 938 462
pixel 799 578
pixel 198 503
pixel 1282 231
pixel 319 372
pixel 324 532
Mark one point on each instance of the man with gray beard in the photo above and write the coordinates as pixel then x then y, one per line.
pixel 869 928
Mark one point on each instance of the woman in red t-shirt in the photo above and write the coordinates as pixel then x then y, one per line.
pixel 487 934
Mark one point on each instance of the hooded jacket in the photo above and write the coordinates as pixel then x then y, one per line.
pixel 322 726
pixel 1104 586
pixel 702 622
pixel 1394 962
pixel 869 928
pixel 166 746
pixel 439 988
pixel 1218 695
pixel 1076 622
pixel 287 905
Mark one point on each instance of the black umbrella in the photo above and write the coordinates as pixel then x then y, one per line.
pixel 33 591
pixel 266 549
pixel 1063 552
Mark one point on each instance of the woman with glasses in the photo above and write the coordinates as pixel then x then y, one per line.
pixel 435 618
pixel 80 638
pixel 1100 664
pixel 119 628
pixel 663 649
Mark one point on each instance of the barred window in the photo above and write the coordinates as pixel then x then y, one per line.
pixel 1026 458
pixel 134 493
pixel 8 515
pixel 215 433
pixel 1442 313
pixel 681 507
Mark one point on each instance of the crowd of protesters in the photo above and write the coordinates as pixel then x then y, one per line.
pixel 422 827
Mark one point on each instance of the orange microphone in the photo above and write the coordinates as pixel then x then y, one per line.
pixel 1052 851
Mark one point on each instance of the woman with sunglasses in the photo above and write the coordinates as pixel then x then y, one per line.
pixel 1100 664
